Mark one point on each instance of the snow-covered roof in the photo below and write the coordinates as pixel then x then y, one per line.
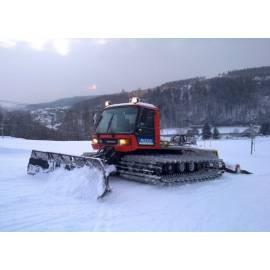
pixel 173 131
pixel 238 129
pixel 222 130
pixel 142 104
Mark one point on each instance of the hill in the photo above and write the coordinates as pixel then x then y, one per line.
pixel 234 98
pixel 63 102
pixel 237 97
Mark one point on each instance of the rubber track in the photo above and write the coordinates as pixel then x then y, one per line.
pixel 148 169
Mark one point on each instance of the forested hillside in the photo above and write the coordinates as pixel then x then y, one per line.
pixel 235 98
pixel 238 97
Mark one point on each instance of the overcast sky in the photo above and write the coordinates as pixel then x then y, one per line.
pixel 44 70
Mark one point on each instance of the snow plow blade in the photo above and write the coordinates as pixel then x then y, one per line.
pixel 45 162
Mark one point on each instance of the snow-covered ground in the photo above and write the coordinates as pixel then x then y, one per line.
pixel 66 201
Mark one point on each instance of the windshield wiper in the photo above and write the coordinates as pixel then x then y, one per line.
pixel 110 122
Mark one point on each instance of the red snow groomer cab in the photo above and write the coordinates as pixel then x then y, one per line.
pixel 128 127
pixel 127 135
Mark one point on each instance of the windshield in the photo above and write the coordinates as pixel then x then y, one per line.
pixel 117 120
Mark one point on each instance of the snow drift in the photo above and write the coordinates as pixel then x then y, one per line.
pixel 83 183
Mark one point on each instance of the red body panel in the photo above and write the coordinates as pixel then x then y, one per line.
pixel 157 129
pixel 133 146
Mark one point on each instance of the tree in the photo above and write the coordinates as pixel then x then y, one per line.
pixel 216 134
pixel 206 132
pixel 265 129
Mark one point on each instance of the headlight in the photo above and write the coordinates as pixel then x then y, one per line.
pixel 95 141
pixel 123 141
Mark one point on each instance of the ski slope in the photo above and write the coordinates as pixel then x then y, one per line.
pixel 66 201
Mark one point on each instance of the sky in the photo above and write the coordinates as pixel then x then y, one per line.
pixel 41 70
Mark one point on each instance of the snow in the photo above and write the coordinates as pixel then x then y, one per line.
pixel 66 201
pixel 50 117
pixel 239 129
pixel 173 131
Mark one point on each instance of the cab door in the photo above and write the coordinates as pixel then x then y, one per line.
pixel 145 131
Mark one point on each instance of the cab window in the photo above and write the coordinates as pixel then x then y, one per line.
pixel 146 122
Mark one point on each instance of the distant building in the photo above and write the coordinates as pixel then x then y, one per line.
pixel 225 132
pixel 251 131
pixel 174 131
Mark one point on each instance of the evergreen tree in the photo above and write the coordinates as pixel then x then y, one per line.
pixel 265 129
pixel 206 132
pixel 216 134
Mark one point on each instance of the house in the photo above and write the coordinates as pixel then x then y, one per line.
pixel 251 131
